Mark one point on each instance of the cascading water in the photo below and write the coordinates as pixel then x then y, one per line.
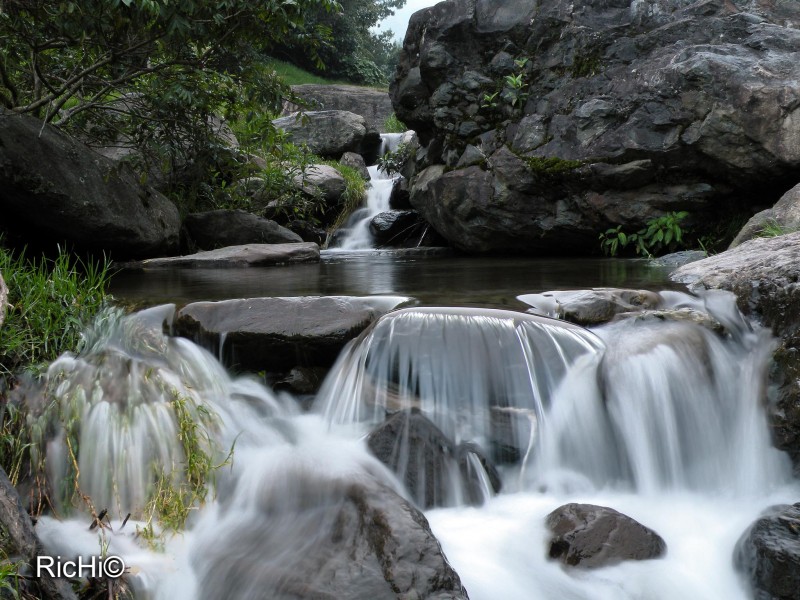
pixel 357 235
pixel 657 418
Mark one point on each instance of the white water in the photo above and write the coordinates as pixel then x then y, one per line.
pixel 661 421
pixel 379 192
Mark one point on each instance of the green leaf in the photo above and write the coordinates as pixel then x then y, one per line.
pixel 668 236
pixel 623 238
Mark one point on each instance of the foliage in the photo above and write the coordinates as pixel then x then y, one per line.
pixel 353 196
pixel 661 234
pixel 394 125
pixel 393 162
pixel 291 74
pixel 50 303
pixel 511 91
pixel 550 165
pixel 151 76
pixel 355 52
pixel 774 229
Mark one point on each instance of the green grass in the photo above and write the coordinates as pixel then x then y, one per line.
pixel 394 125
pixel 294 75
pixel 354 193
pixel 51 301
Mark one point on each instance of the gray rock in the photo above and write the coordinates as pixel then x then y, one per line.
pixel 328 133
pixel 221 228
pixel 278 334
pixel 764 275
pixel 400 198
pixel 429 464
pixel 678 259
pixel 55 189
pixel 591 536
pixel 249 255
pixel 393 226
pixel 591 307
pixel 679 108
pixel 355 161
pixel 784 216
pixel 323 180
pixel 374 105
pixel 769 554
pixel 326 539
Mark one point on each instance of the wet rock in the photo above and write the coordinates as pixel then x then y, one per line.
pixel 591 307
pixel 301 380
pixel 393 226
pixel 429 464
pixel 783 217
pixel 328 133
pixel 331 540
pixel 248 255
pixel 220 228
pixel 677 315
pixel 626 112
pixel 512 432
pixel 400 198
pixel 589 536
pixel 278 334
pixel 768 554
pixel 55 189
pixel 678 259
pixel 764 273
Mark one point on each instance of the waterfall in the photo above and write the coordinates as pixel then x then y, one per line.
pixel 357 235
pixel 658 417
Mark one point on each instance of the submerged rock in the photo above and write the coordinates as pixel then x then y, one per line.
pixel 768 554
pixel 55 189
pixel 277 334
pixel 248 255
pixel 222 228
pixel 585 535
pixel 591 307
pixel 316 539
pixel 435 472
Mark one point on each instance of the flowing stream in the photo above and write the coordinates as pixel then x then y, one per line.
pixel 356 234
pixel 659 419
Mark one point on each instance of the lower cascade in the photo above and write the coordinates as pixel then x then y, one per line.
pixel 488 420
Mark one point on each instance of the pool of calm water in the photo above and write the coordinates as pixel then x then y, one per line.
pixel 434 280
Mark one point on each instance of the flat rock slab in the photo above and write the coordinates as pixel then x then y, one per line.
pixel 585 535
pixel 248 255
pixel 278 334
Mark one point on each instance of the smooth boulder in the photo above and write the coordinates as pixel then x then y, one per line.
pixel 374 105
pixel 278 334
pixel 221 228
pixel 392 227
pixel 591 307
pixel 328 133
pixel 247 255
pixel 768 554
pixel 55 189
pixel 589 536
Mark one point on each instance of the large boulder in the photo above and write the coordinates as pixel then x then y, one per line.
pixel 329 133
pixel 322 180
pixel 585 535
pixel 220 228
pixel 434 470
pixel 764 274
pixel 55 189
pixel 374 105
pixel 784 217
pixel 624 111
pixel 277 334
pixel 314 537
pixel 392 227
pixel 769 554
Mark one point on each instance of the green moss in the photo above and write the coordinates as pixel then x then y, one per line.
pixel 550 165
pixel 585 65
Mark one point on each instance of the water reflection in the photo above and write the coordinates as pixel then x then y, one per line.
pixel 442 280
